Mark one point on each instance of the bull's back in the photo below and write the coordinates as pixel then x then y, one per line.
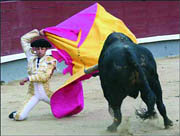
pixel 117 66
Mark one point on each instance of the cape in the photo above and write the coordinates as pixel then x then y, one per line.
pixel 79 41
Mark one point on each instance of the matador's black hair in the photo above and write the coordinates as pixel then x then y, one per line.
pixel 41 43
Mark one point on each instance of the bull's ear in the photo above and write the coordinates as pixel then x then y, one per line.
pixel 129 39
pixel 126 38
pixel 110 39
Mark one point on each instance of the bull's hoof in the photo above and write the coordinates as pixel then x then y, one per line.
pixel 168 124
pixel 144 114
pixel 112 128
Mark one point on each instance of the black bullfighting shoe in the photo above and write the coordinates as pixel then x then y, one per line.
pixel 11 116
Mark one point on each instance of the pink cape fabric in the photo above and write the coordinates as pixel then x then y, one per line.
pixel 70 28
pixel 69 100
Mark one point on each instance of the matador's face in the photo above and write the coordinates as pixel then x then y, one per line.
pixel 40 51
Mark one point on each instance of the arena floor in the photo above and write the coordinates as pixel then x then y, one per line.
pixel 94 119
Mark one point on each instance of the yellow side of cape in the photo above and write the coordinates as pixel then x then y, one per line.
pixel 88 53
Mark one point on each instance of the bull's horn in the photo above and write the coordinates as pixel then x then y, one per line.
pixel 91 69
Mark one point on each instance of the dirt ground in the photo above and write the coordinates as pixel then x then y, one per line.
pixel 94 118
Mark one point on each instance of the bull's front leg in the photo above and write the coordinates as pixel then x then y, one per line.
pixel 117 119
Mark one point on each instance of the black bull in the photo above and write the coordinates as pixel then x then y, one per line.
pixel 125 69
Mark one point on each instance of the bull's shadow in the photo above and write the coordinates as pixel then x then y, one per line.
pixel 127 69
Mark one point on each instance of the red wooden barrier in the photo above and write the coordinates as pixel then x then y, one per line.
pixel 144 19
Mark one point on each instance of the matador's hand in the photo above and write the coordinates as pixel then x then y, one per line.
pixel 41 32
pixel 22 82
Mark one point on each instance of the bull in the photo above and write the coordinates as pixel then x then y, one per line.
pixel 127 69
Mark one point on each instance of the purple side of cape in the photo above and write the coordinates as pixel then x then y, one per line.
pixel 70 28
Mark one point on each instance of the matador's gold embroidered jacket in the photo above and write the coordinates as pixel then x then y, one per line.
pixel 38 75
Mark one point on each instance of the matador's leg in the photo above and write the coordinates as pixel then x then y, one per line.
pixel 29 104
